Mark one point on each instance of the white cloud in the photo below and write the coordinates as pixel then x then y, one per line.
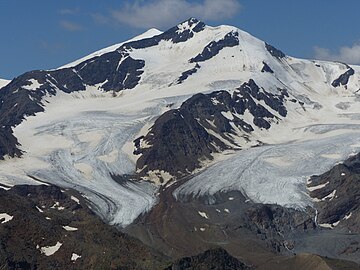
pixel 349 55
pixel 70 26
pixel 164 13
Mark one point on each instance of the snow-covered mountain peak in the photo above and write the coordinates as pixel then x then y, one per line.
pixel 190 25
pixel 168 104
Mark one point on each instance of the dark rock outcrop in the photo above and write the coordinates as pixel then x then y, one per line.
pixel 9 144
pixel 45 215
pixel 274 52
pixel 213 48
pixel 175 35
pixel 343 78
pixel 266 68
pixel 216 259
pixel 177 142
pixel 188 73
pixel 338 199
pixel 275 218
pixel 277 224
pixel 203 125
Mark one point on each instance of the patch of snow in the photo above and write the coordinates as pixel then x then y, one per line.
pixel 336 223
pixel 318 186
pixel 330 196
pixel 159 177
pixel 70 229
pixel 5 188
pixel 231 198
pixel 343 174
pixel 227 210
pixel 5 217
pixel 75 256
pixel 75 199
pixel 329 226
pixel 211 123
pixel 227 115
pixel 39 209
pixel 215 101
pixel 50 250
pixel 34 85
pixel 326 225
pixel 202 229
pixel 57 206
pixel 348 216
pixel 203 214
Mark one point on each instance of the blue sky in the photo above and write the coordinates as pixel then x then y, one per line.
pixel 44 34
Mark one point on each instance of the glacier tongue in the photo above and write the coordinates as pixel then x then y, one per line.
pixel 276 174
pixel 81 148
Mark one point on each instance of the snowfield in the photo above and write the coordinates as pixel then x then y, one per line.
pixel 3 82
pixel 85 138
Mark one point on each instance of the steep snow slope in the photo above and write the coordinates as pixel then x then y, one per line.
pixel 149 33
pixel 3 82
pixel 83 139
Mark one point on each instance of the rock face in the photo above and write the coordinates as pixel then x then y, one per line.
pixel 205 124
pixel 217 259
pixel 274 52
pixel 337 194
pixel 343 78
pixel 180 33
pixel 261 236
pixel 174 151
pixel 266 68
pixel 54 229
pixel 188 73
pixel 273 218
pixel 230 40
